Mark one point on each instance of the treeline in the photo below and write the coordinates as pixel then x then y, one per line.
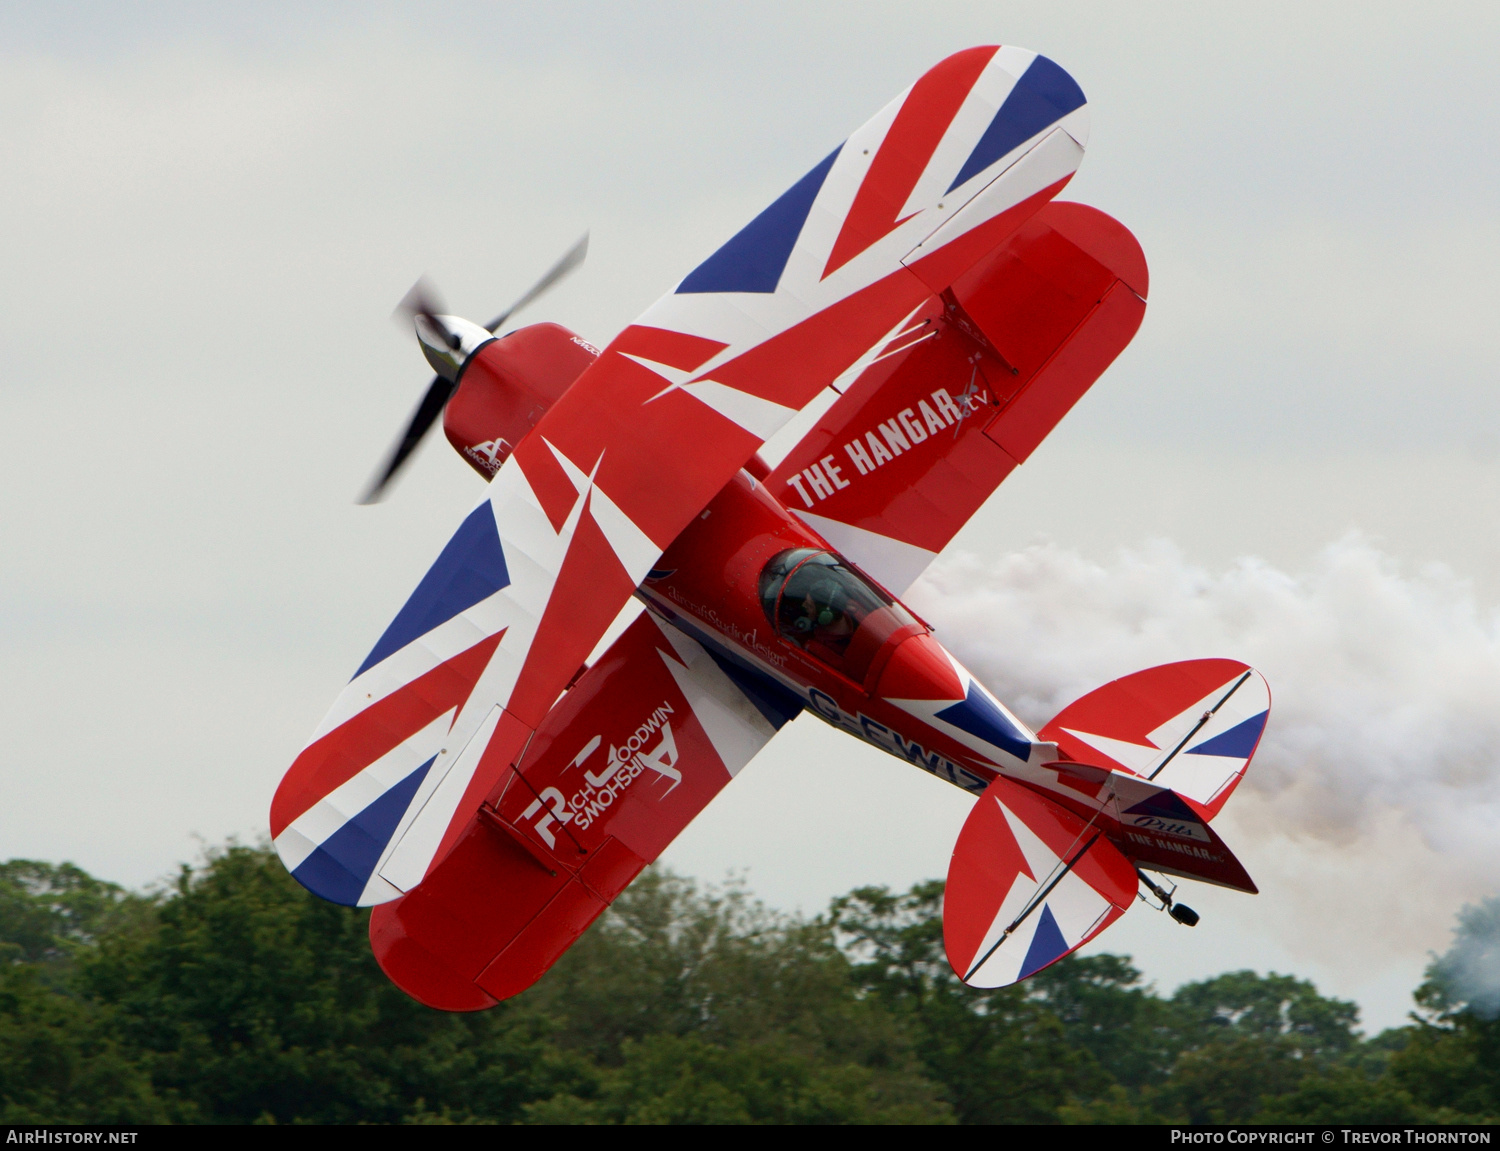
pixel 236 997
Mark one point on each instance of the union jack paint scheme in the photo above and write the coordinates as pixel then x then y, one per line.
pixel 764 462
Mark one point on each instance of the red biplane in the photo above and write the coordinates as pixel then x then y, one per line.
pixel 766 460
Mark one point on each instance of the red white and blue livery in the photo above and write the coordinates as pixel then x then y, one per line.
pixel 698 533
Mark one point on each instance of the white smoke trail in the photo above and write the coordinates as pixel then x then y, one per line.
pixel 1470 971
pixel 1385 685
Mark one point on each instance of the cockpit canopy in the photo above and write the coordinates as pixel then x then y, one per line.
pixel 817 601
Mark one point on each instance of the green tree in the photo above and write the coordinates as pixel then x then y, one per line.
pixel 1003 1055
pixel 1451 1062
pixel 252 999
pixel 236 996
pixel 685 1079
pixel 48 911
pixel 1106 1011
pixel 61 1063
pixel 60 1060
pixel 708 1007
pixel 1345 1095
pixel 1244 1005
pixel 249 999
pixel 1246 1038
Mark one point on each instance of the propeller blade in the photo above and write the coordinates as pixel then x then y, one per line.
pixel 571 259
pixel 422 300
pixel 422 419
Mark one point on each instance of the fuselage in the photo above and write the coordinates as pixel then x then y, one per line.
pixel 761 590
pixel 752 582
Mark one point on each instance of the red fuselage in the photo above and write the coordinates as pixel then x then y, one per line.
pixel 712 584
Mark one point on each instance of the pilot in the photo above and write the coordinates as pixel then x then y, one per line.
pixel 824 615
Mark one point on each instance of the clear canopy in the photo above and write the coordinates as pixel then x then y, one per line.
pixel 821 604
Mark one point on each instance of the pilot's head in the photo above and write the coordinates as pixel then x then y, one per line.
pixel 822 605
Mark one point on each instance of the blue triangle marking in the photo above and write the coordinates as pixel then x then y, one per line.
pixel 1236 743
pixel 979 716
pixel 1043 95
pixel 1165 804
pixel 1047 945
pixel 471 568
pixel 776 703
pixel 755 257
pixel 342 865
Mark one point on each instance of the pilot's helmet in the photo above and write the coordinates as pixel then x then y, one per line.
pixel 828 600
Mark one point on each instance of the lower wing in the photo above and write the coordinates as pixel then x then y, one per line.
pixel 637 748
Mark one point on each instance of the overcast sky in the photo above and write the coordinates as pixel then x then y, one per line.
pixel 207 214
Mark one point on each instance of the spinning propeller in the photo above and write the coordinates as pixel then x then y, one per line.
pixel 447 341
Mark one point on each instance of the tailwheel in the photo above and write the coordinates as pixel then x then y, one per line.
pixel 1181 912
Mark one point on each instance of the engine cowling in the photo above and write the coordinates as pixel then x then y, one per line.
pixel 507 386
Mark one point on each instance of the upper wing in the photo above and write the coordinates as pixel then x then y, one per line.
pixel 895 465
pixel 1192 727
pixel 643 441
pixel 633 752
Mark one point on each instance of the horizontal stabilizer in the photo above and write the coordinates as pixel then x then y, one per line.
pixel 1192 727
pixel 1163 833
pixel 1152 826
pixel 1029 882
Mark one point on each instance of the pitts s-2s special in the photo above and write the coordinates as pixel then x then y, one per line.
pixel 695 535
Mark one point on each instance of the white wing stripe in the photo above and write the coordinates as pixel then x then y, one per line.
pixel 308 831
pixel 733 725
pixel 760 417
pixel 974 116
pixel 410 851
pixel 1056 156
